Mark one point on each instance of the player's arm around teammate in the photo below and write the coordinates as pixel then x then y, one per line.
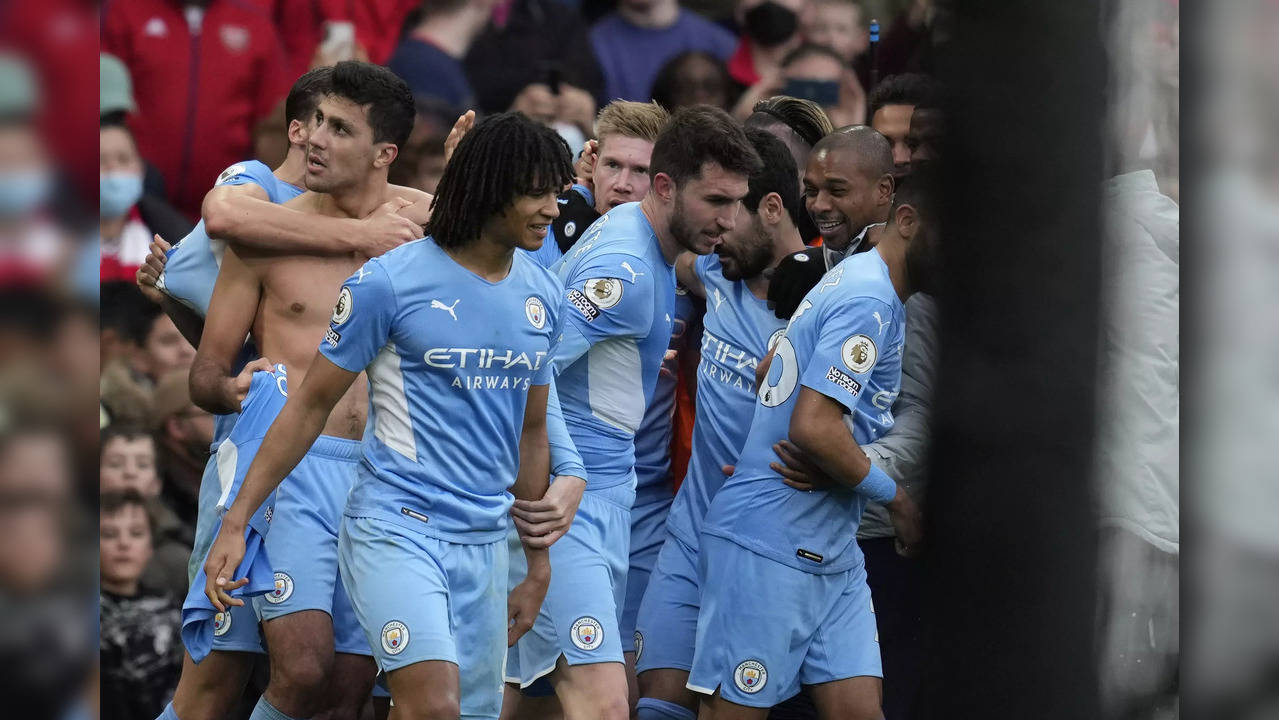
pixel 231 311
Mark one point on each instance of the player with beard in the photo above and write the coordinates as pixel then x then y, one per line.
pixel 619 283
pixel 284 300
pixel 808 620
pixel 737 330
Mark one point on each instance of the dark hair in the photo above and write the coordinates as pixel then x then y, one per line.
pixel 871 151
pixel 305 94
pixel 667 81
pixel 127 311
pixel 390 101
pixel 805 118
pixel 504 157
pixel 809 49
pixel 115 118
pixel 777 175
pixel 123 430
pixel 905 89
pixel 919 188
pixel 698 135
pixel 113 501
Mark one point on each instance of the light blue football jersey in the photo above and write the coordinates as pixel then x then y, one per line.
pixel 619 294
pixel 844 341
pixel 191 265
pixel 737 331
pixel 653 440
pixel 450 358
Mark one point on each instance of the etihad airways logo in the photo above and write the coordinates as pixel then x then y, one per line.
pixel 482 358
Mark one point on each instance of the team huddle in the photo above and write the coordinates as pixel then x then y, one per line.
pixel 462 500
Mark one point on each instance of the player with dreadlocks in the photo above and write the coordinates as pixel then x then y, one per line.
pixel 457 333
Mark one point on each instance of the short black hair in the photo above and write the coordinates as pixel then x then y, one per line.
pixel 390 101
pixel 697 135
pixel 871 151
pixel 904 89
pixel 127 311
pixel 305 94
pixel 667 80
pixel 805 118
pixel 920 188
pixel 123 430
pixel 503 157
pixel 810 49
pixel 776 175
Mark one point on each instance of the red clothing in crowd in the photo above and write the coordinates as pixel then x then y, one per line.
pixel 377 26
pixel 202 81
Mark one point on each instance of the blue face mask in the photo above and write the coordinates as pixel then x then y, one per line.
pixel 119 192
pixel 23 192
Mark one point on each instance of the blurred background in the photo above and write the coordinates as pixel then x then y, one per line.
pixel 1055 564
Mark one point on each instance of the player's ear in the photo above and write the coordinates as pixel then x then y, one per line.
pixel 907 220
pixel 884 190
pixel 385 155
pixel 771 208
pixel 664 186
pixel 297 132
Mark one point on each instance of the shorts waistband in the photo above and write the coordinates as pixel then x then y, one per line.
pixel 337 448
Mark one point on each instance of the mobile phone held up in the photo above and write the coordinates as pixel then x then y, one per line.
pixel 822 92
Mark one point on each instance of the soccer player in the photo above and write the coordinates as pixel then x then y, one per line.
pixel 618 160
pixel 457 332
pixel 737 331
pixel 182 283
pixel 363 117
pixel 784 596
pixel 619 283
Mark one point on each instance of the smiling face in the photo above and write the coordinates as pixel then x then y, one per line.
pixel 524 222
pixel 840 198
pixel 621 172
pixel 340 152
pixel 706 207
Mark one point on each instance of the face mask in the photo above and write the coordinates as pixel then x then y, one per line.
pixel 770 24
pixel 119 191
pixel 23 192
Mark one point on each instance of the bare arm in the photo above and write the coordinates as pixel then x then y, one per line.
pixel 531 484
pixel 231 312
pixel 817 428
pixel 243 214
pixel 687 275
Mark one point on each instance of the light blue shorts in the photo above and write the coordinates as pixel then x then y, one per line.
pixel 419 598
pixel 303 542
pixel 582 611
pixel 766 628
pixel 648 532
pixel 667 623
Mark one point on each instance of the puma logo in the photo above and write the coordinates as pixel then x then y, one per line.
pixel 632 271
pixel 882 323
pixel 437 305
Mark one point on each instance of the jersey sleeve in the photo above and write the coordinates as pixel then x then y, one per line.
pixel 609 296
pixel 846 349
pixel 545 372
pixel 243 173
pixel 362 318
pixel 702 266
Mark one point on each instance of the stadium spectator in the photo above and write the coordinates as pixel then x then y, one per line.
pixel 891 104
pixel 140 644
pixel 139 344
pixel 183 434
pixel 693 78
pixel 430 55
pixel 816 73
pixel 117 103
pixel 128 463
pixel 838 25
pixel 204 75
pixel 636 40
pixel 770 31
pixel 531 42
pixel 122 235
pixel 31 247
pixel 421 161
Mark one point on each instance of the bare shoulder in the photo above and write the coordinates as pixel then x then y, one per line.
pixel 304 202
pixel 413 195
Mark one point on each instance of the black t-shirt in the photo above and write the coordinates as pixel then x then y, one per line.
pixel 576 214
pixel 141 653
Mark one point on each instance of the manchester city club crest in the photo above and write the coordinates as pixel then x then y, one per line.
pixel 750 677
pixel 221 624
pixel 587 633
pixel 395 637
pixel 535 312
pixel 283 589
